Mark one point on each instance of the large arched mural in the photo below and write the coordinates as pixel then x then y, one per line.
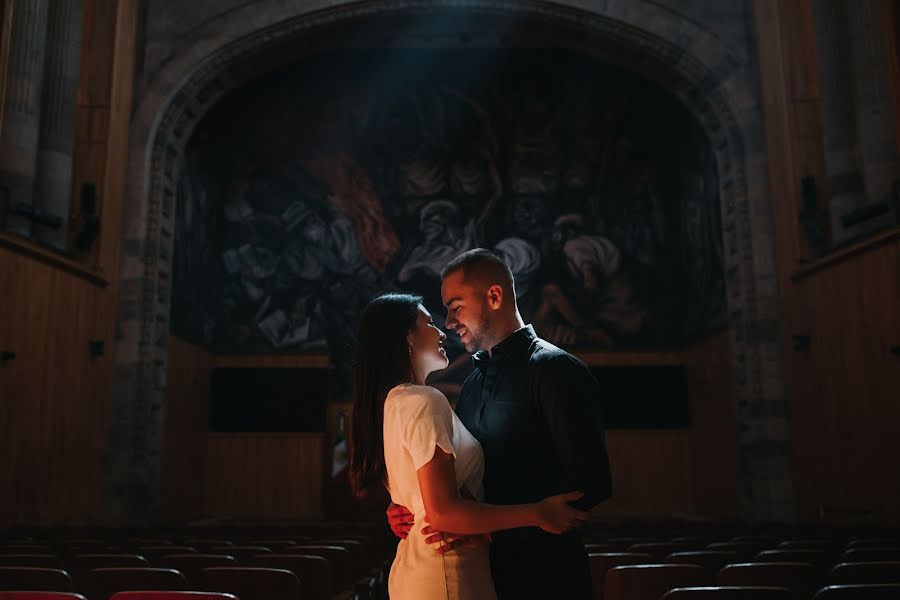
pixel 309 191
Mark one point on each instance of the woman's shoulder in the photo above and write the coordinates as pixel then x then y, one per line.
pixel 411 394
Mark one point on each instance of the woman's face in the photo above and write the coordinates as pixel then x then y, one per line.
pixel 427 344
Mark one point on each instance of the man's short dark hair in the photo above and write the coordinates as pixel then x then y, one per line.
pixel 483 265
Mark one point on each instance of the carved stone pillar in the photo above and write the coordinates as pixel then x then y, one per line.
pixel 53 183
pixel 22 111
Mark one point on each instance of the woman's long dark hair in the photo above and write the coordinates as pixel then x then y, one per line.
pixel 382 362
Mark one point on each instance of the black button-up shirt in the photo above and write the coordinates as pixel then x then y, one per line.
pixel 535 409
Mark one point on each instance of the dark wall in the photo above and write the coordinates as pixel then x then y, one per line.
pixel 309 191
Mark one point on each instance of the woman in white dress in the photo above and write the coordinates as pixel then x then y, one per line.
pixel 405 436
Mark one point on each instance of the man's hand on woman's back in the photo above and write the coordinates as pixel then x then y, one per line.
pixel 400 520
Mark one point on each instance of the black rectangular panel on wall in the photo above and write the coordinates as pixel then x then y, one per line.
pixel 268 400
pixel 644 397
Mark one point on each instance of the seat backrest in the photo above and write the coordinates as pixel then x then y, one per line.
pixel 25 549
pixel 602 562
pixel 801 578
pixel 885 591
pixel 154 553
pixel 242 554
pixel 277 544
pixel 104 582
pixel 660 550
pixel 730 593
pixel 873 542
pixel 813 557
pixel 711 560
pixel 744 550
pixel 865 572
pixel 650 582
pixel 315 572
pixel 338 557
pixel 172 595
pixel 86 562
pixel 43 561
pixel 873 554
pixel 203 545
pixel 41 596
pixel 34 578
pixel 252 583
pixel 191 565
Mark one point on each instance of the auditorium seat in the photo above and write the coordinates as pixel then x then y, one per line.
pixel 801 578
pixel 154 553
pixel 594 548
pixel 357 549
pixel 172 595
pixel 33 578
pixel 338 556
pixel 242 554
pixel 885 591
pixel 874 554
pixel 710 560
pixel 85 562
pixel 818 558
pixel 650 582
pixel 730 593
pixel 44 561
pixel 203 546
pixel 874 542
pixel 25 549
pixel 87 546
pixel 103 583
pixel 314 572
pixel 809 544
pixel 32 595
pixel 660 550
pixel 744 550
pixel 602 562
pixel 865 572
pixel 252 583
pixel 277 544
pixel 191 565
pixel 81 565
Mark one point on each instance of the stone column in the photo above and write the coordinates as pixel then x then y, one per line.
pixel 22 110
pixel 56 146
pixel 834 58
pixel 874 104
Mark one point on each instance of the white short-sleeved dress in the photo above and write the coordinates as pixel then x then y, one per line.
pixel 416 419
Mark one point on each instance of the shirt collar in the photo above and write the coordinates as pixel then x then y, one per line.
pixel 514 343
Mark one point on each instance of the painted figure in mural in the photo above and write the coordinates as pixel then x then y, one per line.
pixel 595 303
pixel 534 409
pixel 406 436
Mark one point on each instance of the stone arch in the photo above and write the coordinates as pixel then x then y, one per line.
pixel 715 84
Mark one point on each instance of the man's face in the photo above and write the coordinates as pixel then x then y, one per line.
pixel 467 312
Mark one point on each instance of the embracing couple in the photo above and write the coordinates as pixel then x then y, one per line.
pixel 522 458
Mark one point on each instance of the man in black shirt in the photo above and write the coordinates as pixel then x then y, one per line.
pixel 535 410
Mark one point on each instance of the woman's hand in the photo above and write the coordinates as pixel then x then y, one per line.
pixel 554 514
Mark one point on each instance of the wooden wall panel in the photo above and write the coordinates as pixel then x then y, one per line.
pixel 689 471
pixel 652 473
pixel 265 475
pixel 54 422
pixel 54 397
pixel 185 445
pixel 846 409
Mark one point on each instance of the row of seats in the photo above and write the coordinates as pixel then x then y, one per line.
pixel 680 560
pixel 268 563
pixel 132 595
